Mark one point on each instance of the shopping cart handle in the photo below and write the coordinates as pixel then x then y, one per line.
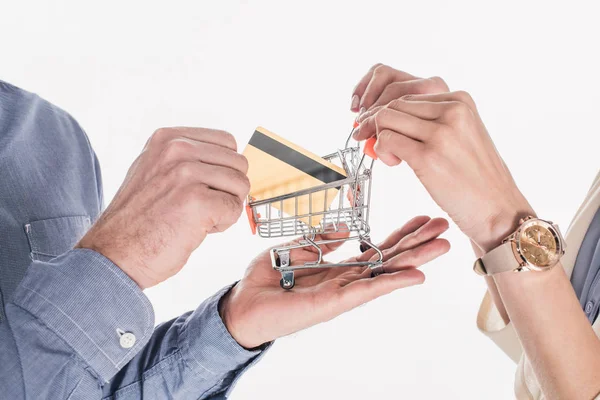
pixel 251 220
pixel 369 148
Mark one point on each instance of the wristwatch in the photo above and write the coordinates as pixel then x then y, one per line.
pixel 536 245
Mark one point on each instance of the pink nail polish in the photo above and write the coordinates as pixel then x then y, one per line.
pixel 355 102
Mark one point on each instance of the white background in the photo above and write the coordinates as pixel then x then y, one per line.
pixel 124 69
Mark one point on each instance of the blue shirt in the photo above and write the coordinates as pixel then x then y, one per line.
pixel 72 324
pixel 586 273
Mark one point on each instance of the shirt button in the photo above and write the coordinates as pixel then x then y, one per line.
pixel 127 340
pixel 588 307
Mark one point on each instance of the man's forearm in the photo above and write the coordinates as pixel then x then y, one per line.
pixel 68 317
pixel 554 332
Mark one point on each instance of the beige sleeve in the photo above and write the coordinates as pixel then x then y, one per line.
pixel 493 326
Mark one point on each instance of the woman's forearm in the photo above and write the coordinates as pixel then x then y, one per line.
pixel 557 338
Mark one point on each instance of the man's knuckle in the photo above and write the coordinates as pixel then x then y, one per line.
pixel 245 184
pixel 231 175
pixel 175 149
pixel 160 134
pixel 232 206
pixel 196 194
pixel 226 139
pixel 243 163
pixel 184 171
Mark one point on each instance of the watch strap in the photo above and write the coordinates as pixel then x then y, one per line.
pixel 501 259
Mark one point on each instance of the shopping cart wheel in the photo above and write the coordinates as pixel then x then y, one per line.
pixel 364 246
pixel 287 280
pixel 377 270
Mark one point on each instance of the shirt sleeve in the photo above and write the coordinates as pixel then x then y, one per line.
pixel 80 321
pixel 193 356
pixel 92 305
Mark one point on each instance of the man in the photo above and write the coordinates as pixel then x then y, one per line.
pixel 74 321
pixel 545 316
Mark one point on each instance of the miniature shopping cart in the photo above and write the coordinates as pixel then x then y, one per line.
pixel 347 213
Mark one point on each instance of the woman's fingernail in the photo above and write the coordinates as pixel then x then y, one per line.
pixel 355 102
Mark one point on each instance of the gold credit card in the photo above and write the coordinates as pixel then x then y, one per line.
pixel 279 167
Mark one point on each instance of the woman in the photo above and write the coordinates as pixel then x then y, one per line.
pixel 544 319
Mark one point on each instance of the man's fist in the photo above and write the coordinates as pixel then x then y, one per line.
pixel 187 183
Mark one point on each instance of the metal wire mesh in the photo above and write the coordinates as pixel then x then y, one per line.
pixel 348 211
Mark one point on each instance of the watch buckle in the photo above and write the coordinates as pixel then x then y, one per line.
pixel 479 268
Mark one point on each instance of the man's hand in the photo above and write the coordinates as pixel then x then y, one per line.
pixel 443 139
pixel 187 182
pixel 257 310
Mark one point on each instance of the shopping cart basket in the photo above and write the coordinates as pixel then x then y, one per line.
pixel 347 213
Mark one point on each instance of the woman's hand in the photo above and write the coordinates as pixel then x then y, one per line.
pixel 257 310
pixel 443 139
pixel 383 84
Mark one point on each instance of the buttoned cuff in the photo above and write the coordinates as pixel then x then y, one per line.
pixel 92 305
pixel 211 351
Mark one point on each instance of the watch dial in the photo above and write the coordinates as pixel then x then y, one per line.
pixel 538 245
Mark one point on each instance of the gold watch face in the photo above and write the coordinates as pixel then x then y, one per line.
pixel 538 244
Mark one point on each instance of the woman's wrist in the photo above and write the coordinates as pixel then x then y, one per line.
pixel 500 225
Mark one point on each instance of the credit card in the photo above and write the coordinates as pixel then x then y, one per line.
pixel 279 167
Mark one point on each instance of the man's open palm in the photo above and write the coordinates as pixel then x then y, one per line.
pixel 258 310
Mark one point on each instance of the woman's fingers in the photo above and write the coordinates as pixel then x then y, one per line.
pixel 396 90
pixel 403 128
pixel 360 88
pixel 408 124
pixel 372 85
pixel 381 78
pixel 458 96
pixel 382 84
pixel 368 113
